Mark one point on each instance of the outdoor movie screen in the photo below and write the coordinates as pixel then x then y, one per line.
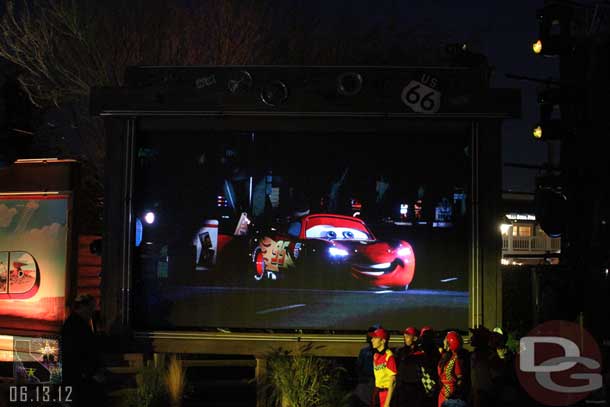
pixel 294 231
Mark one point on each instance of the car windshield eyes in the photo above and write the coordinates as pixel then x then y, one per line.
pixel 331 234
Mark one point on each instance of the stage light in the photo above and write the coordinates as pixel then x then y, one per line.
pixel 349 83
pixel 274 93
pixel 239 82
pixel 149 217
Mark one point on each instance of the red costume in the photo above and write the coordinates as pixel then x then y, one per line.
pixel 450 369
pixel 384 368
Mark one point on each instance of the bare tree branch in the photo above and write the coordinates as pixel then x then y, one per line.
pixel 64 47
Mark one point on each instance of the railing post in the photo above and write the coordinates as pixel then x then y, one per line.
pixel 259 374
pixel 535 283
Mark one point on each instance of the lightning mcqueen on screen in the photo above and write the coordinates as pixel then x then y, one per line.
pixel 332 250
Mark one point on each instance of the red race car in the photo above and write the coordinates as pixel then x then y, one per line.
pixel 332 250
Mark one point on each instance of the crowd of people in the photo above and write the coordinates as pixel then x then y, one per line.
pixel 429 370
pixel 427 373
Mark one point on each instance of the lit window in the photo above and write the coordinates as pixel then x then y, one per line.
pixel 525 231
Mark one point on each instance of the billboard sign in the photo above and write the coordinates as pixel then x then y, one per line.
pixel 33 260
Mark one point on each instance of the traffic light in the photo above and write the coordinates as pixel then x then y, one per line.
pixel 554 30
pixel 553 125
pixel 551 206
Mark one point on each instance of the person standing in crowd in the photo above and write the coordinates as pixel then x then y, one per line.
pixel 508 384
pixel 409 390
pixel 384 367
pixel 484 369
pixel 363 393
pixel 453 372
pixel 429 363
pixel 81 358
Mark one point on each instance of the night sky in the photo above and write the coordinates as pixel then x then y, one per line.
pixel 502 30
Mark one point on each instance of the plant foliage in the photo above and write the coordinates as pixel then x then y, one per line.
pixel 158 384
pixel 300 379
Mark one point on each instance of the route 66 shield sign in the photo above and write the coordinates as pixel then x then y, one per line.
pixel 421 98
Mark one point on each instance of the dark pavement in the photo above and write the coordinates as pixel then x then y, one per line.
pixel 290 308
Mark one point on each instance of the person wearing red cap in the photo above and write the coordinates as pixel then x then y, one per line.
pixel 452 371
pixel 409 389
pixel 384 367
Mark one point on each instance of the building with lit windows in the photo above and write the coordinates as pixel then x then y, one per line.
pixel 523 240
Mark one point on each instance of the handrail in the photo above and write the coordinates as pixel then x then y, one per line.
pixel 538 244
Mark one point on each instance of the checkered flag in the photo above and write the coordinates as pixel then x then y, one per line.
pixel 428 382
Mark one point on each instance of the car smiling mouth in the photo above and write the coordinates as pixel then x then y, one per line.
pixel 377 269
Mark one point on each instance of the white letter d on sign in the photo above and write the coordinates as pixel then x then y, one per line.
pixel 527 354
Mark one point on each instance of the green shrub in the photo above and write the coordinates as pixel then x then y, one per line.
pixel 175 380
pixel 303 380
pixel 151 390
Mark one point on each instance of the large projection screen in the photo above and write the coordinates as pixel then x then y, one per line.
pixel 293 231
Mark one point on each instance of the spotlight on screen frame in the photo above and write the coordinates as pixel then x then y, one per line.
pixel 239 82
pixel 274 93
pixel 149 217
pixel 349 83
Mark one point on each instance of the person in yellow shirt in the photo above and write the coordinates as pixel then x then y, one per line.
pixel 384 368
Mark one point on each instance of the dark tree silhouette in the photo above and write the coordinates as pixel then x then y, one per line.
pixel 62 48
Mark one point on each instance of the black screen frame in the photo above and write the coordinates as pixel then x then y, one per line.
pixel 126 112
